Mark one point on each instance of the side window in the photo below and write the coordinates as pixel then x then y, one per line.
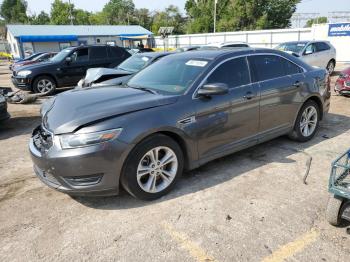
pixel 81 55
pixel 321 46
pixel 233 73
pixel 116 52
pixel 310 49
pixel 291 68
pixel 267 67
pixel 98 53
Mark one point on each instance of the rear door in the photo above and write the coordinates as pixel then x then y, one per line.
pixel 228 122
pixel 280 82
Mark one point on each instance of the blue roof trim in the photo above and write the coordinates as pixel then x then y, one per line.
pixel 126 35
pixel 47 38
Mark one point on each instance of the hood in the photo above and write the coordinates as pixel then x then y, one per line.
pixel 95 75
pixel 72 109
pixel 36 65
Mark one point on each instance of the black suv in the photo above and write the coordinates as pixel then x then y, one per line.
pixel 67 67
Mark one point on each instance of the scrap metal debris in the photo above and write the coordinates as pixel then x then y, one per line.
pixel 19 97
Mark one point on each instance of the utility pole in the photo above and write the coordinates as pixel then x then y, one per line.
pixel 215 3
pixel 70 13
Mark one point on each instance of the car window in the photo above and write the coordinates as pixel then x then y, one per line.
pixel 321 46
pixel 80 55
pixel 310 49
pixel 291 68
pixel 267 67
pixel 116 52
pixel 98 53
pixel 233 73
pixel 295 47
pixel 134 63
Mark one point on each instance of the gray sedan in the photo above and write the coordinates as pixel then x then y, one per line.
pixel 179 113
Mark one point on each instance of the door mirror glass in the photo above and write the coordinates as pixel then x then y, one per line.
pixel 213 89
pixel 308 52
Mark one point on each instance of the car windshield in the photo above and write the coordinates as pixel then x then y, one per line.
pixel 292 47
pixel 61 55
pixel 134 63
pixel 170 75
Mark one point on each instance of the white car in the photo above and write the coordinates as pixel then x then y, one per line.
pixel 214 46
pixel 315 53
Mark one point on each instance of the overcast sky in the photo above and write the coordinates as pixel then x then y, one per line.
pixel 309 6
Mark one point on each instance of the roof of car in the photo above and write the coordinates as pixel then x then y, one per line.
pixel 153 54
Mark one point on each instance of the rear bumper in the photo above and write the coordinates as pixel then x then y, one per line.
pixel 23 83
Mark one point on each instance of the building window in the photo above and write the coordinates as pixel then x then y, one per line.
pixel 28 49
pixel 111 43
pixel 98 40
pixel 64 45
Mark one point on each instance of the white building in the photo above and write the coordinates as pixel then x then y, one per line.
pixel 28 39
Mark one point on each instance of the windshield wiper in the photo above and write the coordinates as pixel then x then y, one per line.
pixel 144 89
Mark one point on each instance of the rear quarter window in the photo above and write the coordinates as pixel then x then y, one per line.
pixel 117 52
pixel 266 67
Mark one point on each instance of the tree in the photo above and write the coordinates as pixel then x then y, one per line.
pixel 119 11
pixel 60 13
pixel 317 20
pixel 233 15
pixel 170 17
pixel 143 18
pixel 14 11
pixel 40 19
pixel 81 17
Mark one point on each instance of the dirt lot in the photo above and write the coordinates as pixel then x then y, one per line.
pixel 250 206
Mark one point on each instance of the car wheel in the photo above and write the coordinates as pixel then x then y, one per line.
pixel 44 85
pixel 153 167
pixel 331 67
pixel 333 210
pixel 307 122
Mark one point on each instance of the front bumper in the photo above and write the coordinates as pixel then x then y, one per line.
pixel 23 83
pixel 92 170
pixel 342 87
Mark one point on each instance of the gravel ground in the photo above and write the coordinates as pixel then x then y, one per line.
pixel 249 206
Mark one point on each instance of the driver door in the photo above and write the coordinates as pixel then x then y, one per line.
pixel 310 55
pixel 227 123
pixel 73 71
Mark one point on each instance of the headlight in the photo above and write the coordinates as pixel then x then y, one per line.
pixel 24 73
pixel 82 140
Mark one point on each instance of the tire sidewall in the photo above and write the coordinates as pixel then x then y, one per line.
pixel 329 63
pixel 36 81
pixel 297 132
pixel 129 178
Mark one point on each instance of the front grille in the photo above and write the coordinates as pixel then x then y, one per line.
pixel 43 139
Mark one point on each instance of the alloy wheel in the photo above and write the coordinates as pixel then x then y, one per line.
pixel 330 68
pixel 157 169
pixel 308 121
pixel 45 86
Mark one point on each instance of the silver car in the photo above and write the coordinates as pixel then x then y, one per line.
pixel 315 53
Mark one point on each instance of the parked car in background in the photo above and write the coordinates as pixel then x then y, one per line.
pixel 188 48
pixel 314 53
pixel 215 46
pixel 123 72
pixel 3 109
pixel 178 113
pixel 25 59
pixel 133 51
pixel 342 85
pixel 67 67
pixel 44 57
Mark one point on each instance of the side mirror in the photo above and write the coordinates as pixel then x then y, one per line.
pixel 213 89
pixel 308 52
pixel 68 60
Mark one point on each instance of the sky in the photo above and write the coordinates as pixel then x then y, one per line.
pixel 306 6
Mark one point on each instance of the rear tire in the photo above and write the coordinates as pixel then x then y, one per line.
pixel 331 67
pixel 307 122
pixel 152 167
pixel 44 85
pixel 333 210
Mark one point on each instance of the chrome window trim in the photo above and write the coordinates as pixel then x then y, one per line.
pixel 251 82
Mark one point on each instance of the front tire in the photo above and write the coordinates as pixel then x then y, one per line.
pixel 333 210
pixel 44 85
pixel 153 167
pixel 331 67
pixel 307 122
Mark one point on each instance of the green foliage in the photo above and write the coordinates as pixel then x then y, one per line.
pixel 233 15
pixel 170 17
pixel 60 13
pixel 41 19
pixel 14 11
pixel 317 20
pixel 118 11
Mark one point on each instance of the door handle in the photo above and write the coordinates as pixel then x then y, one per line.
pixel 249 95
